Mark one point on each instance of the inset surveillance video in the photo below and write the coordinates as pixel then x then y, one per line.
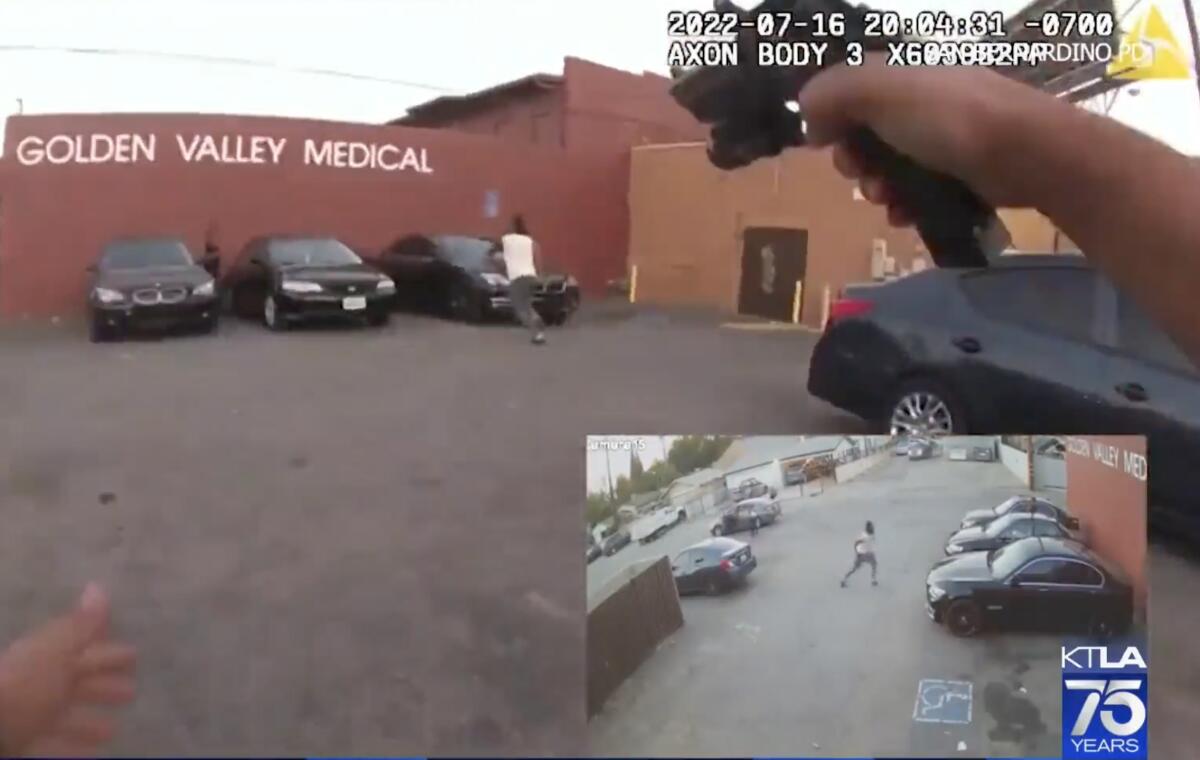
pixel 853 596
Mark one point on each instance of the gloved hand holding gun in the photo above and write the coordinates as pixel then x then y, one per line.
pixel 748 108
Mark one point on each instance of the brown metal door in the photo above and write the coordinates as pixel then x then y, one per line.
pixel 773 261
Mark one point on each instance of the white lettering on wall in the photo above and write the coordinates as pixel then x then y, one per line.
pixel 201 148
pixel 341 154
pixel 124 148
pixel 1130 463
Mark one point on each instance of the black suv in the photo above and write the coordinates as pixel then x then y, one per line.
pixel 1036 344
pixel 148 283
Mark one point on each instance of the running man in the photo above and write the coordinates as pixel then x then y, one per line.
pixel 520 260
pixel 864 553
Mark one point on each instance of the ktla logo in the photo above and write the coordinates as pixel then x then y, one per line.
pixel 1104 702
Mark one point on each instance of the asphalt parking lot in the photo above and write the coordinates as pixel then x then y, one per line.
pixel 350 541
pixel 793 664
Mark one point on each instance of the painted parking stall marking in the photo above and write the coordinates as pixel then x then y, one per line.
pixel 941 701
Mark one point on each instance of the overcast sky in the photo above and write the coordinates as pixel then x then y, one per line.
pixel 423 47
pixel 615 452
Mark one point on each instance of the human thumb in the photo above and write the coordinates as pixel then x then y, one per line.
pixel 90 618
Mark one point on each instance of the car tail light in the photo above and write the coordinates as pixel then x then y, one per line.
pixel 726 565
pixel 848 307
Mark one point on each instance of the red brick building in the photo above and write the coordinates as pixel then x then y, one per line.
pixel 1106 488
pixel 554 148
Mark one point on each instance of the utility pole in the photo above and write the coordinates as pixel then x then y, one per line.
pixel 1190 12
pixel 612 494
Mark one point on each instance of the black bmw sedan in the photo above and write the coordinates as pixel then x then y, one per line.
pixel 1012 527
pixel 1031 505
pixel 286 279
pixel 463 277
pixel 148 283
pixel 1046 584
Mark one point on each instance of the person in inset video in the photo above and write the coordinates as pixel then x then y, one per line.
pixel 520 253
pixel 864 554
pixel 59 683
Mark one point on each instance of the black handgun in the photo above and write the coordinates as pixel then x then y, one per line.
pixel 752 112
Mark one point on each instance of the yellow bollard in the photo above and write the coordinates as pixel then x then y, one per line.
pixel 633 284
pixel 796 302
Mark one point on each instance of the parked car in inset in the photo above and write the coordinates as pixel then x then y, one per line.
pixel 1020 505
pixel 750 514
pixel 713 566
pixel 150 283
pixel 615 543
pixel 920 449
pixel 1004 530
pixel 287 279
pixel 1039 344
pixel 982 454
pixel 1044 584
pixel 464 277
pixel 752 488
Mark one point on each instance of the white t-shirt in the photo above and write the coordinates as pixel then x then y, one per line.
pixel 518 256
pixel 865 544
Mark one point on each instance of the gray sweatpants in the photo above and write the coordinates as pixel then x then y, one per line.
pixel 520 292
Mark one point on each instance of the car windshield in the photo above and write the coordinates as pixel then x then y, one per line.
pixel 472 254
pixel 999 526
pixel 1006 560
pixel 1005 507
pixel 311 253
pixel 140 254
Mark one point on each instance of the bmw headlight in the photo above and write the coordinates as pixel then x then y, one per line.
pixel 300 286
pixel 954 548
pixel 936 592
pixel 108 295
pixel 205 289
pixel 386 284
pixel 494 279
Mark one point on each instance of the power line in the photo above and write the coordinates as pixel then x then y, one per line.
pixel 228 60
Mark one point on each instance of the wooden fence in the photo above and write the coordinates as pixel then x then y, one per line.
pixel 627 625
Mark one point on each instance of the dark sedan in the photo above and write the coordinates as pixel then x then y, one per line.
pixel 713 566
pixel 1020 504
pixel 920 449
pixel 1045 584
pixel 1039 344
pixel 463 277
pixel 148 283
pixel 751 489
pixel 615 543
pixel 1012 527
pixel 286 279
pixel 594 552
pixel 750 514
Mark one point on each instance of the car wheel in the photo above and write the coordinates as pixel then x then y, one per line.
pixel 464 306
pixel 378 319
pixel 99 332
pixel 717 530
pixel 963 618
pixel 924 406
pixel 209 326
pixel 271 316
